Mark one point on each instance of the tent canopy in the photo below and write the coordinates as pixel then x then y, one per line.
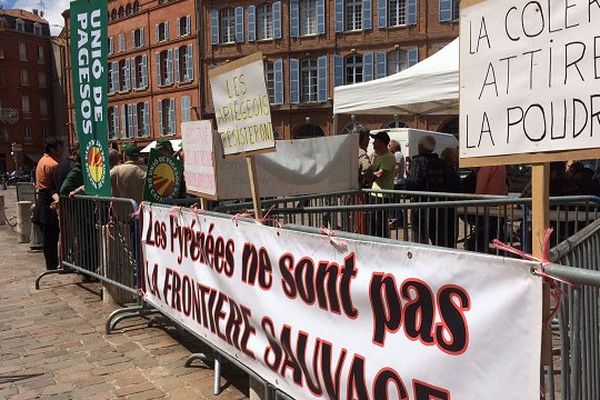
pixel 427 88
pixel 176 143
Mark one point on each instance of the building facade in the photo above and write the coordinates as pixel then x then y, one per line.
pixel 26 101
pixel 311 46
pixel 153 69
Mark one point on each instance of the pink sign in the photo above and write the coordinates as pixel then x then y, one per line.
pixel 199 162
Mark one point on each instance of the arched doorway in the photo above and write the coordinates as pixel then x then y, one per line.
pixel 450 126
pixel 395 123
pixel 307 131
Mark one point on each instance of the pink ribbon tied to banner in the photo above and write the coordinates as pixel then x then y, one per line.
pixel 265 220
pixel 338 244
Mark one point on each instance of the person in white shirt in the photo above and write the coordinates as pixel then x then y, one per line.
pixel 394 148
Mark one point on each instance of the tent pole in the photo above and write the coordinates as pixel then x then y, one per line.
pixel 335 124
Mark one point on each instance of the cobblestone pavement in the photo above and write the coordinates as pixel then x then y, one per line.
pixel 53 346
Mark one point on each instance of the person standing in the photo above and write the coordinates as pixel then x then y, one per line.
pixel 394 148
pixel 365 177
pixel 128 179
pixel 45 215
pixel 383 167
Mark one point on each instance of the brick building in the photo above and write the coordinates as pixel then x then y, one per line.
pixel 153 69
pixel 25 87
pixel 311 46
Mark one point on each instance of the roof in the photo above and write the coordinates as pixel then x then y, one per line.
pixel 23 14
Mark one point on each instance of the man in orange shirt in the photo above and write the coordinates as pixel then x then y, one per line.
pixel 46 216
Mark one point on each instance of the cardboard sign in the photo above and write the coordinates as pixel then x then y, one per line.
pixel 199 158
pixel 89 51
pixel 364 320
pixel 163 178
pixel 529 76
pixel 242 107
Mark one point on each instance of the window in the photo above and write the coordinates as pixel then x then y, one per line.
pixel 111 46
pixel 136 7
pixel 41 55
pixel 353 12
pixel 227 25
pixel 186 108
pixel 142 120
pixel 42 79
pixel 22 51
pixel 166 114
pixel 264 22
pixel 124 75
pixel 24 77
pixel 121 12
pixel 184 26
pixel 309 80
pixel 162 32
pixel 139 38
pixel 113 14
pixel 455 9
pixel 354 69
pixel 308 17
pixel 164 71
pixel 140 72
pixel 449 10
pixel 45 131
pixel 185 64
pixel 396 61
pixel 43 106
pixel 37 28
pixel 270 80
pixel 128 9
pixel 126 123
pixel 20 25
pixel 397 12
pixel 113 122
pixel 396 123
pixel 25 104
pixel 27 134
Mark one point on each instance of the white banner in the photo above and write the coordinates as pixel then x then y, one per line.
pixel 348 320
pixel 529 77
pixel 306 166
pixel 242 107
pixel 199 158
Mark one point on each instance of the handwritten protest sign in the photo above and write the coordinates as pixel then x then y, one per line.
pixel 199 158
pixel 242 107
pixel 318 318
pixel 529 77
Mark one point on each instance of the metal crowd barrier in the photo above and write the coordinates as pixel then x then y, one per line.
pixel 26 191
pixel 576 331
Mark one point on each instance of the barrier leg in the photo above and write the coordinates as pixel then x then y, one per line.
pixel 217 383
pixel 61 270
pixel 120 314
pixel 196 356
pixel 258 391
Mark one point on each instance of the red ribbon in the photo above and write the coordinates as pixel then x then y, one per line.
pixel 339 245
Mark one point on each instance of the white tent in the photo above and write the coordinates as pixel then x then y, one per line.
pixel 176 143
pixel 427 88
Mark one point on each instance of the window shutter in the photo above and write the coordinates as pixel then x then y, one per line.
pixel 413 56
pixel 127 80
pixel 445 10
pixel 129 109
pixel 111 89
pixel 136 128
pixel 214 26
pixel 172 116
pixel 121 42
pixel 185 108
pixel 382 13
pixel 381 64
pixel 115 121
pixel 294 18
pixel 116 80
pixel 146 119
pixel 156 33
pixel 166 30
pixel 144 71
pixel 251 23
pixel 321 21
pixel 368 67
pixel 367 14
pixel 158 72
pixel 322 79
pixel 338 69
pixel 339 16
pixel 161 125
pixel 142 37
pixel 278 78
pixel 123 121
pixel 188 24
pixel 277 19
pixel 179 26
pixel 239 24
pixel 177 68
pixel 412 12
pixel 294 81
pixel 189 63
pixel 133 39
pixel 111 45
pixel 133 70
pixel 169 67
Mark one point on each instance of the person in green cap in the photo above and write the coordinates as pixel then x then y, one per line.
pixel 165 147
pixel 127 179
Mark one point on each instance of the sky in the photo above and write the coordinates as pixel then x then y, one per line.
pixel 52 10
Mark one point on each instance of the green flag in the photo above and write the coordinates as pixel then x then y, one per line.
pixel 89 50
pixel 163 178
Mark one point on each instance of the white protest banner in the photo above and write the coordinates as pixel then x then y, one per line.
pixel 242 107
pixel 529 77
pixel 320 318
pixel 307 166
pixel 199 158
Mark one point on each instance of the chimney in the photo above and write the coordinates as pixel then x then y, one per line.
pixel 35 12
pixel 42 14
